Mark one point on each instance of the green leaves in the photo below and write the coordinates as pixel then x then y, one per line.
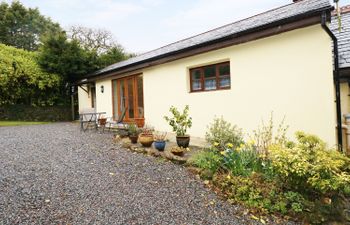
pixel 22 28
pixel 180 122
pixel 22 80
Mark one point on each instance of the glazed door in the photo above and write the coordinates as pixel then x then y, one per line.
pixel 128 93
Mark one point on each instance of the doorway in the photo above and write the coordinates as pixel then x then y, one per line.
pixel 128 93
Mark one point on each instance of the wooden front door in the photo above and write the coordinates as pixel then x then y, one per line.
pixel 128 93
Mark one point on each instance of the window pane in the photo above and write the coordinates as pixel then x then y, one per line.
pixel 209 71
pixel 225 82
pixel 196 80
pixel 210 84
pixel 122 95
pixel 196 74
pixel 224 70
pixel 196 85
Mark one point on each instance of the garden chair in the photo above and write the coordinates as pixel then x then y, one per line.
pixel 119 122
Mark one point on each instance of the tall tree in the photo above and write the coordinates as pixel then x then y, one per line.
pixel 23 27
pixel 59 55
pixel 98 40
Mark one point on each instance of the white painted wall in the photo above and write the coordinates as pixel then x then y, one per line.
pixel 84 98
pixel 289 74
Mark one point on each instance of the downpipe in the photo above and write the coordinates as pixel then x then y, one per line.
pixel 336 79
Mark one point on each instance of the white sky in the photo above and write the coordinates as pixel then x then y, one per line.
pixel 143 25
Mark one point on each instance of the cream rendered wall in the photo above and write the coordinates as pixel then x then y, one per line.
pixel 289 74
pixel 345 99
pixel 84 98
pixel 104 100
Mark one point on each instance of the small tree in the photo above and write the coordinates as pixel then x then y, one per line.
pixel 180 122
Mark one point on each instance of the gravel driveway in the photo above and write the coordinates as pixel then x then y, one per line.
pixel 53 174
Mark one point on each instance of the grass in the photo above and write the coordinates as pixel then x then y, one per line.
pixel 19 123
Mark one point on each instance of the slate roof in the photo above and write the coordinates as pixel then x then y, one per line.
pixel 273 16
pixel 343 38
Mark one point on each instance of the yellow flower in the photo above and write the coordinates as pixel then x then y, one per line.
pixel 223 153
pixel 251 142
pixel 230 145
pixel 216 144
pixel 228 177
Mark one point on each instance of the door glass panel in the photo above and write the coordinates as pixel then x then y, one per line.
pixel 131 98
pixel 122 95
pixel 140 96
pixel 115 99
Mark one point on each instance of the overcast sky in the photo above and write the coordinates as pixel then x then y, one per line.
pixel 143 25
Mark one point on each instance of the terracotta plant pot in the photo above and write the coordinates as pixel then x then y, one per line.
pixel 183 141
pixel 146 140
pixel 133 138
pixel 140 122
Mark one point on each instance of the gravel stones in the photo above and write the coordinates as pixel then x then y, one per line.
pixel 55 174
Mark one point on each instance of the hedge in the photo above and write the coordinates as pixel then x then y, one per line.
pixel 33 113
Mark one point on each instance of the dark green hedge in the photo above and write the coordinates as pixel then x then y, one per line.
pixel 33 113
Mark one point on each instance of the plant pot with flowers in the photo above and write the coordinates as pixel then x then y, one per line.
pixel 180 122
pixel 159 141
pixel 146 137
pixel 133 132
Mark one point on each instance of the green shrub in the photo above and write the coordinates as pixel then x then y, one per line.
pixel 208 161
pixel 265 196
pixel 243 161
pixel 267 135
pixel 310 166
pixel 180 122
pixel 35 113
pixel 221 133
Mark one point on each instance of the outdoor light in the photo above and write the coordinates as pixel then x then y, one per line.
pixel 102 88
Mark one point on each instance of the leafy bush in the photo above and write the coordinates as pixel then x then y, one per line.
pixel 220 133
pixel 31 113
pixel 310 165
pixel 265 196
pixel 180 122
pixel 208 161
pixel 243 160
pixel 23 81
pixel 264 136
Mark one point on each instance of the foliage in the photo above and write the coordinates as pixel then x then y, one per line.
pixel 23 27
pixel 310 165
pixel 222 132
pixel 132 129
pixel 159 136
pixel 147 131
pixel 255 192
pixel 22 81
pixel 303 179
pixel 35 113
pixel 264 136
pixel 208 161
pixel 67 58
pixel 180 122
pixel 243 160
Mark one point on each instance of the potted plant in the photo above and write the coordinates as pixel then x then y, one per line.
pixel 159 141
pixel 133 133
pixel 146 137
pixel 180 122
